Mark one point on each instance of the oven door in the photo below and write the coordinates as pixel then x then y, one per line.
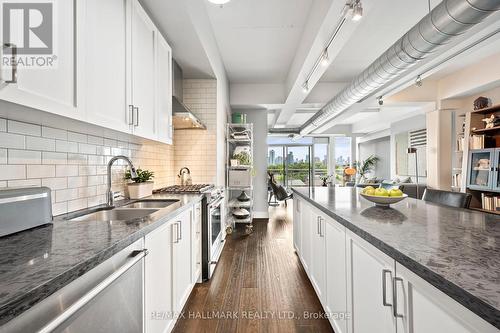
pixel 215 232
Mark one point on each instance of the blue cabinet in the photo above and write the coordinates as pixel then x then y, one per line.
pixel 483 169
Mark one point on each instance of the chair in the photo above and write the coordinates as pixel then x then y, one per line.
pixel 389 186
pixel 447 198
pixel 279 192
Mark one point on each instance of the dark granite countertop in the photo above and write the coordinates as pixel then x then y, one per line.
pixel 456 250
pixel 38 262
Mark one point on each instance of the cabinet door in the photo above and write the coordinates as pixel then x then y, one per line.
pixel 181 259
pixel 196 246
pixel 158 279
pixel 305 235
pixel 496 167
pixel 336 275
pixel 142 58
pixel 369 285
pixel 105 63
pixel 425 309
pixel 48 88
pixel 297 203
pixel 164 90
pixel 481 167
pixel 318 256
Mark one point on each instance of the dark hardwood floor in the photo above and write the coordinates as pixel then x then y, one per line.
pixel 259 285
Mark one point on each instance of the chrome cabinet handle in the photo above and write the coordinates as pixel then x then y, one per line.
pixel 317 225
pixel 180 230
pixel 136 116
pixel 94 292
pixel 131 114
pixel 13 79
pixel 176 234
pixel 395 297
pixel 384 287
pixel 321 227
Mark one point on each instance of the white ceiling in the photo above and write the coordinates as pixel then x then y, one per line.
pixel 258 39
pixel 386 22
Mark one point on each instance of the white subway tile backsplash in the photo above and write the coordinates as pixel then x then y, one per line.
pixel 40 171
pixel 12 172
pixel 3 156
pixel 79 181
pixel 24 157
pixel 66 146
pixel 86 192
pixel 37 143
pixel 77 137
pixel 9 140
pixel 77 204
pixel 87 170
pixel 79 159
pixel 95 160
pixel 3 125
pixel 86 148
pixel 54 133
pixel 59 208
pixel 54 158
pixel 66 170
pixel 55 183
pixel 23 128
pixel 24 183
pixel 95 140
pixel 66 195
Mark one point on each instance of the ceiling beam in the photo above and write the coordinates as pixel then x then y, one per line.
pixel 310 50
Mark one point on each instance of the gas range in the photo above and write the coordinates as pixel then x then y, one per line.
pixel 180 189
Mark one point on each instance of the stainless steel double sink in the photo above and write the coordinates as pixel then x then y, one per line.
pixel 134 210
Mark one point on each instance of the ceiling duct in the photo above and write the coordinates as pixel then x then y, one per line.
pixel 284 131
pixel 447 20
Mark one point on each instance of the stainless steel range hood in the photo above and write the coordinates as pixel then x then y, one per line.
pixel 183 118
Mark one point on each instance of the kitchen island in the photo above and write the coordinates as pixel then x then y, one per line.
pixel 456 251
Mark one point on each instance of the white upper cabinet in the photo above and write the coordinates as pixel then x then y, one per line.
pixel 164 89
pixel 48 88
pixel 142 66
pixel 105 63
pixel 113 69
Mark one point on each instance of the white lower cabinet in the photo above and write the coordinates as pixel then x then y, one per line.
pixel 168 272
pixel 158 280
pixel 317 272
pixel 181 259
pixel 336 288
pixel 377 294
pixel 421 308
pixel 196 253
pixel 297 224
pixel 369 287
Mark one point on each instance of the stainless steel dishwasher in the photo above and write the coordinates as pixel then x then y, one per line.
pixel 107 299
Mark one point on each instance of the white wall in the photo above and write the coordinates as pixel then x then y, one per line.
pixel 381 148
pixel 259 120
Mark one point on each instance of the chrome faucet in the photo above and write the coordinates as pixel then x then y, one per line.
pixel 110 199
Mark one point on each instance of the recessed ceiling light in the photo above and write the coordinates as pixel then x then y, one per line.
pixel 219 2
pixel 325 61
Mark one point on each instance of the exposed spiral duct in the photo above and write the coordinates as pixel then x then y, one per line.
pixel 446 21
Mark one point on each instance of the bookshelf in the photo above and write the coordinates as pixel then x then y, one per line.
pixel 481 160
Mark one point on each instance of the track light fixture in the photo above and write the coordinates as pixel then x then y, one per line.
pixel 357 10
pixel 418 81
pixel 305 86
pixel 380 100
pixel 325 61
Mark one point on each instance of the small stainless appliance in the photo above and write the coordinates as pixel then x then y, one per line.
pixel 24 208
pixel 185 176
pixel 213 233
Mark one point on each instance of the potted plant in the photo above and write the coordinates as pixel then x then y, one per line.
pixel 243 158
pixel 142 186
pixel 366 166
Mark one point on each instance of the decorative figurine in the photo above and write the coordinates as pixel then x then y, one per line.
pixel 481 103
pixel 491 121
